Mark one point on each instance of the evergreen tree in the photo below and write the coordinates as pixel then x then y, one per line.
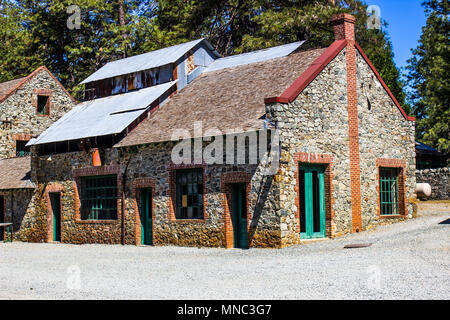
pixel 14 42
pixel 35 33
pixel 39 35
pixel 429 78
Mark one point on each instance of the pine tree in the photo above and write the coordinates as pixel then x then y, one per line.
pixel 430 78
pixel 14 42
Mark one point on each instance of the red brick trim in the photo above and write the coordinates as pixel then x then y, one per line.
pixel 310 74
pixel 226 181
pixel 398 164
pixel 353 133
pixel 22 137
pixel 53 188
pixel 96 171
pixel 171 202
pixel 138 184
pixel 29 77
pixel 42 92
pixel 327 160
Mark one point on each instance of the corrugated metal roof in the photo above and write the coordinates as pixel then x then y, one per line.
pixel 142 62
pixel 103 116
pixel 252 57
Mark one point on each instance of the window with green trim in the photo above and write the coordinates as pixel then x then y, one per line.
pixel 99 198
pixel 189 194
pixel 389 191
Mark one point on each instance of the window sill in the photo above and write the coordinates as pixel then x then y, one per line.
pixel 96 221
pixel 394 216
pixel 189 220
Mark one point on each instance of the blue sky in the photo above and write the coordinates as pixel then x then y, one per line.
pixel 406 19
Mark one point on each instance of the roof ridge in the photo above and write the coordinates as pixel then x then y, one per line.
pixel 28 78
pixel 260 62
pixel 260 50
pixel 152 51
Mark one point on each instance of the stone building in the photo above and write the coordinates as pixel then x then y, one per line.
pixel 263 149
pixel 28 106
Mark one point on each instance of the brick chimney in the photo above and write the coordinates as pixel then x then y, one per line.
pixel 344 26
pixel 344 29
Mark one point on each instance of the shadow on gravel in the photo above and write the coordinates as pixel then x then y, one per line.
pixel 445 222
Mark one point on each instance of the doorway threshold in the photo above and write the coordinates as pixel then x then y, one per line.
pixel 307 241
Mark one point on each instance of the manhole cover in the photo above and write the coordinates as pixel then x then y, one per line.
pixel 357 245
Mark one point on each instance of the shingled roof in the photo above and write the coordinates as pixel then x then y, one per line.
pixel 231 98
pixel 8 86
pixel 15 173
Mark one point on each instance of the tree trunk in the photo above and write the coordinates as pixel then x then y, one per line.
pixel 122 24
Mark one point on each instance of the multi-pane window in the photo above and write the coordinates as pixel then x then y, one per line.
pixel 99 198
pixel 389 191
pixel 189 194
pixel 42 105
pixel 21 149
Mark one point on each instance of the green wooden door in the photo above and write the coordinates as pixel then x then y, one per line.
pixel 55 199
pixel 146 217
pixel 312 201
pixel 239 219
pixel 2 217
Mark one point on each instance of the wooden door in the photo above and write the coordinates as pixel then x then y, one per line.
pixel 55 199
pixel 146 217
pixel 239 219
pixel 312 201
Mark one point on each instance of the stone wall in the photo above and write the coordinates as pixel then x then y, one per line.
pixel 20 209
pixel 57 175
pixel 316 124
pixel 20 109
pixel 149 163
pixel 154 162
pixel 439 180
pixel 314 128
pixel 384 134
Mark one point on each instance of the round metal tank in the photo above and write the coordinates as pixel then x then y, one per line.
pixel 423 190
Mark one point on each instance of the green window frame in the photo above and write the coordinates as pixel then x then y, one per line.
pixel 99 197
pixel 189 194
pixel 389 196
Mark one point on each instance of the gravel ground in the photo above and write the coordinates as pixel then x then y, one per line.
pixel 408 260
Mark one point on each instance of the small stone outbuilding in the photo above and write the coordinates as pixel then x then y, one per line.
pixel 28 106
